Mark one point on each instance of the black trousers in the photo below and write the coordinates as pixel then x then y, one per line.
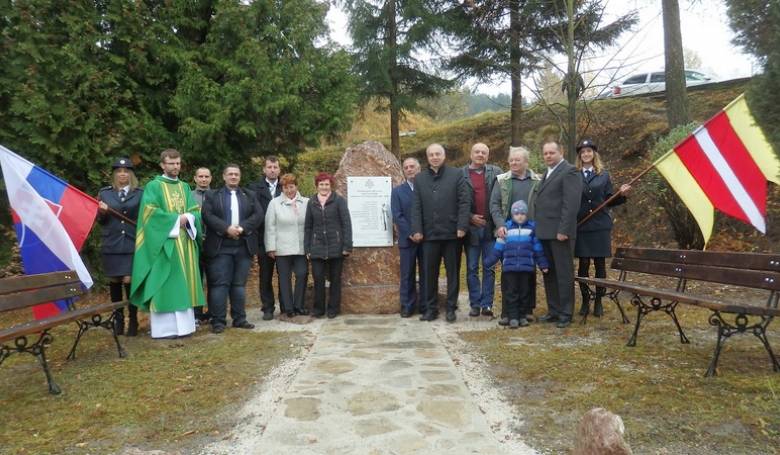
pixel 600 264
pixel 433 252
pixel 287 266
pixel 333 267
pixel 559 281
pixel 266 264
pixel 517 293
pixel 531 277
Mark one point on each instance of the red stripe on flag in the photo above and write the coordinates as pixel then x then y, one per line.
pixel 741 162
pixel 78 215
pixel 705 174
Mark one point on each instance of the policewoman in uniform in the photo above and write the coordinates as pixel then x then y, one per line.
pixel 118 237
pixel 594 237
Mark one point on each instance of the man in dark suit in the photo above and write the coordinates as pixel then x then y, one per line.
pixel 440 219
pixel 401 202
pixel 556 201
pixel 266 189
pixel 233 217
pixel 480 178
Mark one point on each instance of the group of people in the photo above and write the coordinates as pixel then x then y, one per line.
pixel 160 243
pixel 183 237
pixel 525 220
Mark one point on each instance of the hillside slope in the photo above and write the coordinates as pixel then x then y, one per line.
pixel 624 129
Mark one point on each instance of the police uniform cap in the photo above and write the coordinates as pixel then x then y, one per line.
pixel 587 143
pixel 122 162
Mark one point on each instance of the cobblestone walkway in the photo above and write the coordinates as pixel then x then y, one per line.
pixel 374 385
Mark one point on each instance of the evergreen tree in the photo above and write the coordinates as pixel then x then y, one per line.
pixel 223 80
pixel 757 24
pixel 388 38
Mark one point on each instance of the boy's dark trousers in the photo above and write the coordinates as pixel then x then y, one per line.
pixel 517 293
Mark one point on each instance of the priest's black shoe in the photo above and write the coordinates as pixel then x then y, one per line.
pixel 244 325
pixel 563 323
pixel 548 318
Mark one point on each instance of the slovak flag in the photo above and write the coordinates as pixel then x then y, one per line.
pixel 52 220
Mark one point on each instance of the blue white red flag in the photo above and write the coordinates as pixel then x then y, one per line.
pixel 52 220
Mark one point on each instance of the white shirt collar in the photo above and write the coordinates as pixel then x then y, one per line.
pixel 550 170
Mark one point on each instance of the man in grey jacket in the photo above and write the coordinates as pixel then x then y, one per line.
pixel 480 178
pixel 556 201
pixel 440 218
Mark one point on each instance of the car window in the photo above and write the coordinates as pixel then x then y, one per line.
pixel 640 79
pixel 694 76
pixel 658 77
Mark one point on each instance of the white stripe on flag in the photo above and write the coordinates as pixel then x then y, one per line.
pixel 36 214
pixel 736 188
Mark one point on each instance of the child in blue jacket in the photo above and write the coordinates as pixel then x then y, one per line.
pixel 519 252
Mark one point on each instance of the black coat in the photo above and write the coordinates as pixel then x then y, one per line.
pixel 442 204
pixel 327 230
pixel 117 236
pixel 251 218
pixel 263 194
pixel 596 190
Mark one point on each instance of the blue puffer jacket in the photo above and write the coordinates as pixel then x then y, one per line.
pixel 520 251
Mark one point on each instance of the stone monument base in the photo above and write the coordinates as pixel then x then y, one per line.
pixel 370 299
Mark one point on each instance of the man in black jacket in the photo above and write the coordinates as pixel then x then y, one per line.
pixel 266 189
pixel 440 219
pixel 233 217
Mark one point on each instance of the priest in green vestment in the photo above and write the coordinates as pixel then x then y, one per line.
pixel 166 277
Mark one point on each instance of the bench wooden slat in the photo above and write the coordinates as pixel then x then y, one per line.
pixel 32 327
pixel 750 261
pixel 26 282
pixel 748 278
pixel 24 299
pixel 690 299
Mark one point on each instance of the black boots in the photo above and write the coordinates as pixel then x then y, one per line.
pixel 132 326
pixel 598 309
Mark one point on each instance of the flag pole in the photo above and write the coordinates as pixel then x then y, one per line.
pixel 616 195
pixel 120 216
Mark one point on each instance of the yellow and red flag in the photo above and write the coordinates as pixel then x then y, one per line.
pixel 723 165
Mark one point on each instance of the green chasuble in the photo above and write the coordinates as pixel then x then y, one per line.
pixel 166 276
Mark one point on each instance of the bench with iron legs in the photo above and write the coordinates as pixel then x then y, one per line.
pixel 745 270
pixel 33 337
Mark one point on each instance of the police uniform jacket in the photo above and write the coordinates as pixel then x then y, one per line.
pixel 596 190
pixel 117 235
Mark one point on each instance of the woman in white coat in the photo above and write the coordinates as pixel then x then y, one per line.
pixel 284 221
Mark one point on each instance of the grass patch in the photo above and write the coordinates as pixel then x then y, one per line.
pixel 554 376
pixel 167 394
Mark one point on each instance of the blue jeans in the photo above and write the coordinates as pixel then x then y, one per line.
pixel 227 274
pixel 480 293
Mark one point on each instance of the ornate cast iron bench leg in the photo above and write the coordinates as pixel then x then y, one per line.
pixel 641 310
pixel 741 325
pixel 670 310
pixel 614 296
pixel 97 321
pixel 37 349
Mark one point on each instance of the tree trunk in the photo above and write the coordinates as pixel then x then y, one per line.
pixel 676 94
pixel 515 68
pixel 392 45
pixel 573 90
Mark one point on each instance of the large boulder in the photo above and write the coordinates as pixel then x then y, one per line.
pixel 371 275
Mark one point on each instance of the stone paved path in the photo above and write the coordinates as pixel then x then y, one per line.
pixel 373 385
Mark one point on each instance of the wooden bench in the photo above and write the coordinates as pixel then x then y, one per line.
pixel 745 270
pixel 26 291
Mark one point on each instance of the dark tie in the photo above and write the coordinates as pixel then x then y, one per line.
pixel 587 174
pixel 122 195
